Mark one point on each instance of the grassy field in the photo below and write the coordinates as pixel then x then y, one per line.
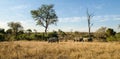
pixel 62 50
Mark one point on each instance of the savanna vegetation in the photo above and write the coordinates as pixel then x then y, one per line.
pixel 46 16
pixel 63 50
pixel 17 43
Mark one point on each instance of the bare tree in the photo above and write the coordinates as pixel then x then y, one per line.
pixel 89 17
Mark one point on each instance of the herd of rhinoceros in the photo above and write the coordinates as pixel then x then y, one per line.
pixel 76 39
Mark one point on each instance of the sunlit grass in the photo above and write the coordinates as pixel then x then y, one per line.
pixel 62 50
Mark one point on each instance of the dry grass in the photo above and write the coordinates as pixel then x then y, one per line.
pixel 62 50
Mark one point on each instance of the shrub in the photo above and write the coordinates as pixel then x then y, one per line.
pixel 118 36
pixel 111 38
pixel 31 37
pixel 21 37
pixel 9 37
pixel 2 31
pixel 39 36
pixel 110 32
pixel 25 37
pixel 2 37
pixel 53 34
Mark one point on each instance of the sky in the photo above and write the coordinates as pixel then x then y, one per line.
pixel 71 14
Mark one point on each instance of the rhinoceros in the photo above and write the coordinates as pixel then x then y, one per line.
pixel 78 39
pixel 53 39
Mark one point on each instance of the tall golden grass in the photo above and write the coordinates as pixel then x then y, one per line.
pixel 62 50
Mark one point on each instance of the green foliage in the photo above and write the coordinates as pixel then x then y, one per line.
pixel 2 37
pixel 9 31
pixel 25 37
pixel 40 36
pixel 53 34
pixel 45 16
pixel 114 38
pixel 111 35
pixel 111 38
pixel 21 32
pixel 29 31
pixel 10 37
pixel 118 36
pixel 21 37
pixel 110 32
pixel 2 31
pixel 30 37
pixel 15 26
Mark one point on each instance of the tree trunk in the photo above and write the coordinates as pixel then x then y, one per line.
pixel 89 33
pixel 45 34
pixel 46 31
pixel 89 27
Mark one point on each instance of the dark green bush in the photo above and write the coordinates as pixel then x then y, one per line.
pixel 25 37
pixel 53 34
pixel 2 37
pixel 2 31
pixel 21 37
pixel 31 37
pixel 39 36
pixel 110 32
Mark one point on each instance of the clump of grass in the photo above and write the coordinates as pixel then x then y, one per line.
pixel 62 50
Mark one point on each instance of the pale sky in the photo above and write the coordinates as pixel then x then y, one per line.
pixel 71 13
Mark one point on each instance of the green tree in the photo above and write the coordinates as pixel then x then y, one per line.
pixel 29 31
pixel 45 16
pixel 9 31
pixel 21 32
pixel 110 32
pixel 2 30
pixel 15 26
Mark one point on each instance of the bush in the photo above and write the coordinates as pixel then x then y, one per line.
pixel 2 31
pixel 9 37
pixel 2 37
pixel 110 32
pixel 53 34
pixel 31 37
pixel 39 36
pixel 21 37
pixel 116 37
pixel 25 37
pixel 111 38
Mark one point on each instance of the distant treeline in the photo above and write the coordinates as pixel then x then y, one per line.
pixel 99 35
